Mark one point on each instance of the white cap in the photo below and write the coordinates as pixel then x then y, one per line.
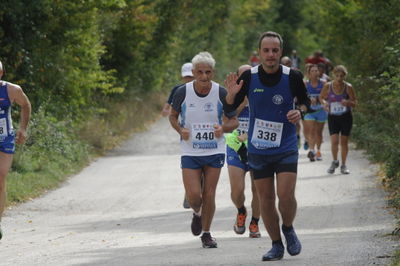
pixel 187 70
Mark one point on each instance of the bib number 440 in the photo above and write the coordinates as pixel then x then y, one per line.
pixel 204 136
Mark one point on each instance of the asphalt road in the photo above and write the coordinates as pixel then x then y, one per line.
pixel 126 209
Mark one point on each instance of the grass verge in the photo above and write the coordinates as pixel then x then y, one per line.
pixel 58 149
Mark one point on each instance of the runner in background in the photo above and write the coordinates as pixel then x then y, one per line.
pixel 314 121
pixel 236 158
pixel 254 59
pixel 187 76
pixel 322 72
pixel 286 61
pixel 9 94
pixel 296 61
pixel 339 99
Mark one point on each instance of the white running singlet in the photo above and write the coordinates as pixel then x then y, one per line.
pixel 199 115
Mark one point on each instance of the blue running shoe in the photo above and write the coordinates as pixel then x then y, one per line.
pixel 305 146
pixel 275 253
pixel 293 244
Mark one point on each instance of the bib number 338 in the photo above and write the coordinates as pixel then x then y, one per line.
pixel 266 134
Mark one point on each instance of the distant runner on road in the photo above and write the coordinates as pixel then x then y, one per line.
pixel 314 121
pixel 271 89
pixel 187 76
pixel 9 94
pixel 339 98
pixel 236 158
pixel 203 120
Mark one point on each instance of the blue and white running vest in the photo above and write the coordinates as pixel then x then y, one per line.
pixel 314 93
pixel 6 128
pixel 270 132
pixel 199 115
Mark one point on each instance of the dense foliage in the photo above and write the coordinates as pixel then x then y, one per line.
pixel 365 36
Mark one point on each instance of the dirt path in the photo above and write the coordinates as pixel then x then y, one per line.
pixel 126 209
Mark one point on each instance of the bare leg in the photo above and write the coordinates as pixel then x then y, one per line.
pixel 319 134
pixel 5 164
pixel 344 148
pixel 308 131
pixel 255 202
pixel 236 178
pixel 334 146
pixel 211 177
pixel 192 183
pixel 266 194
pixel 286 184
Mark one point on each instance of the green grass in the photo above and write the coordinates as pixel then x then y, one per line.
pixel 54 151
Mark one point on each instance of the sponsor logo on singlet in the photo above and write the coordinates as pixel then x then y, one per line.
pixel 277 99
pixel 208 107
pixel 258 90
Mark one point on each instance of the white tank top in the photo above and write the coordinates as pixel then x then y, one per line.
pixel 199 115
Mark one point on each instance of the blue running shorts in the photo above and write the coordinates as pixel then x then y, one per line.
pixel 232 158
pixel 198 162
pixel 8 145
pixel 320 116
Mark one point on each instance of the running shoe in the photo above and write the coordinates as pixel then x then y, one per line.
pixel 254 232
pixel 344 170
pixel 318 156
pixel 305 146
pixel 293 245
pixel 186 204
pixel 334 165
pixel 311 156
pixel 1 233
pixel 208 241
pixel 275 253
pixel 239 227
pixel 196 225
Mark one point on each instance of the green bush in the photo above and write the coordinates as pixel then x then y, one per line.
pixel 52 152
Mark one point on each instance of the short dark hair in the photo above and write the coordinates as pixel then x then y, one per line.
pixel 270 34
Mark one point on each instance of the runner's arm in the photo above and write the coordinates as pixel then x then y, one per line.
pixel 323 96
pixel 299 91
pixel 229 124
pixel 352 101
pixel 166 110
pixel 177 101
pixel 229 119
pixel 242 106
pixel 18 96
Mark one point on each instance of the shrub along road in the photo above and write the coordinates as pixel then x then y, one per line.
pixel 126 209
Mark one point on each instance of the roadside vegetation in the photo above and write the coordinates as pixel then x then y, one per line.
pixel 96 71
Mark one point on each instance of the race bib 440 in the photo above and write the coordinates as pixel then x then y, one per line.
pixel 203 136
